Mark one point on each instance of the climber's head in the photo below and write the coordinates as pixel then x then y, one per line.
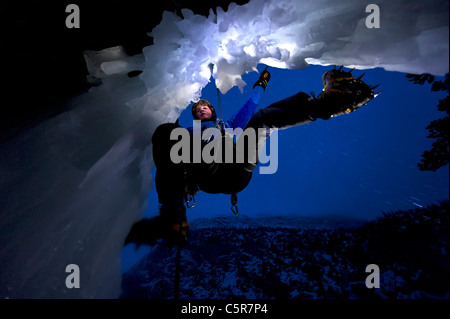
pixel 204 111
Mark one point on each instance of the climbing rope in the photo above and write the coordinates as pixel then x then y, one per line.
pixel 177 272
pixel 219 104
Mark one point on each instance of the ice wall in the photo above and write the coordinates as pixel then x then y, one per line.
pixel 413 37
pixel 72 187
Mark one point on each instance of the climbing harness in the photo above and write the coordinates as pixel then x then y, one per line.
pixel 192 190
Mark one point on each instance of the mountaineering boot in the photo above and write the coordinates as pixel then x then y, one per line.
pixel 342 94
pixel 170 225
pixel 174 224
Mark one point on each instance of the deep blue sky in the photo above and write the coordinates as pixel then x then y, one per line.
pixel 361 164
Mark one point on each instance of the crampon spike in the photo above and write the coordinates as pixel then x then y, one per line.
pixel 361 76
pixel 374 87
pixel 340 68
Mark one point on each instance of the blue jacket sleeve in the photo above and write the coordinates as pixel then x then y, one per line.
pixel 243 115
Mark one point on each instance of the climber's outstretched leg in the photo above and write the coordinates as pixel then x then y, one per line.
pixel 342 94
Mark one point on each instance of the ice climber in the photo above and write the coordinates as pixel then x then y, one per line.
pixel 176 182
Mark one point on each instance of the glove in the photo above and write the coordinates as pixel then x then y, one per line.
pixel 263 79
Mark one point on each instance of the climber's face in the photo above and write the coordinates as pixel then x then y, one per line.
pixel 202 112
